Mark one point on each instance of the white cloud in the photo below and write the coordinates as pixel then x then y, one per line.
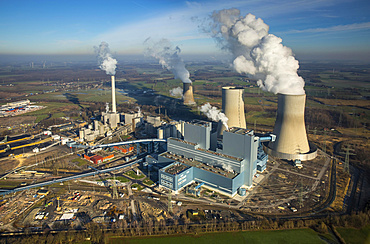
pixel 337 28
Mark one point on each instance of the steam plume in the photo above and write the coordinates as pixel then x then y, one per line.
pixel 106 62
pixel 168 57
pixel 256 52
pixel 139 110
pixel 214 114
pixel 176 92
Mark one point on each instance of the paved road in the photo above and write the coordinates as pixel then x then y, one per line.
pixel 69 178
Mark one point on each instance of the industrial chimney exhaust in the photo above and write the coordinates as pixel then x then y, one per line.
pixel 188 94
pixel 291 139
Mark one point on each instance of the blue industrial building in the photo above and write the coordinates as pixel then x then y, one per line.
pixel 226 169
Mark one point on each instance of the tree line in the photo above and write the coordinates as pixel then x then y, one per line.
pixel 100 233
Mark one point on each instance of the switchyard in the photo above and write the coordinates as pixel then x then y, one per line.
pixel 283 186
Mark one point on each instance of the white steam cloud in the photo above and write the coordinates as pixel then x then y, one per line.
pixel 256 52
pixel 227 167
pixel 176 92
pixel 168 57
pixel 214 114
pixel 106 62
pixel 139 111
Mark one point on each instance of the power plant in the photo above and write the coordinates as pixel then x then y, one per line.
pixel 233 108
pixel 190 158
pixel 188 94
pixel 291 138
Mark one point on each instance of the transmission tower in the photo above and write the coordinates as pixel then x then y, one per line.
pixel 115 194
pixel 170 201
pixel 340 119
pixel 324 147
pixel 346 161
pixel 301 195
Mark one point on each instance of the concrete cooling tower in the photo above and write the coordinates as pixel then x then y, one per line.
pixel 233 108
pixel 188 94
pixel 291 139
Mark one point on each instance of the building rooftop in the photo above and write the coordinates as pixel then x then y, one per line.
pixel 200 122
pixel 220 154
pixel 240 131
pixel 179 140
pixel 176 168
pixel 200 165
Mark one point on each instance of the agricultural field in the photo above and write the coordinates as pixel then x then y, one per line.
pixel 337 95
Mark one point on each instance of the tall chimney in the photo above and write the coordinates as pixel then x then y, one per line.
pixel 233 108
pixel 188 94
pixel 113 94
pixel 291 139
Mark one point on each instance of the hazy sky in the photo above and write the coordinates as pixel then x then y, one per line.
pixel 317 28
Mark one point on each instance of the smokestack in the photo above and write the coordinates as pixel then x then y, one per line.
pixel 233 108
pixel 188 94
pixel 291 139
pixel 113 94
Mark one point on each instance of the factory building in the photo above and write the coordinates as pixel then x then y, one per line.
pixel 173 129
pixel 152 124
pixel 225 170
pixel 111 119
pixel 18 104
pixel 131 116
pixel 176 176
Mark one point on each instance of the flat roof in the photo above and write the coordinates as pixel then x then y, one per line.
pixel 96 157
pixel 200 122
pixel 179 140
pixel 220 154
pixel 240 131
pixel 176 168
pixel 200 165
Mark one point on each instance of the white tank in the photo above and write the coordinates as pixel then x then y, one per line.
pixel 160 133
pixel 233 108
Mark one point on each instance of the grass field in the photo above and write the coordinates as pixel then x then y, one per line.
pixel 122 179
pixel 148 182
pixel 80 161
pixel 279 236
pixel 132 174
pixel 355 236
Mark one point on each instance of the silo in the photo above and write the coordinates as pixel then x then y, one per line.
pixel 233 108
pixel 160 133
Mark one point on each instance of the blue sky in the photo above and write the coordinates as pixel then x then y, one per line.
pixel 315 28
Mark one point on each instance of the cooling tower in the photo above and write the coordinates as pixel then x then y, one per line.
pixel 233 108
pixel 291 139
pixel 188 94
pixel 113 95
